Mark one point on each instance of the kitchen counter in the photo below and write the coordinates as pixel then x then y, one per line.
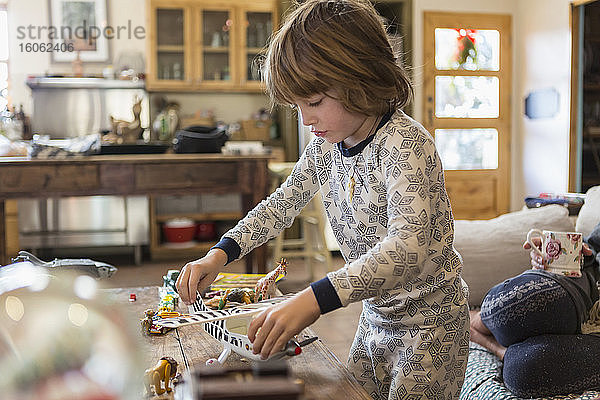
pixel 149 174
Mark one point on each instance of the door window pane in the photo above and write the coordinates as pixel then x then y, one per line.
pixel 470 49
pixel 467 148
pixel 467 96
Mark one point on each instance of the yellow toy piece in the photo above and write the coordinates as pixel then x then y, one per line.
pixel 168 314
pixel 163 371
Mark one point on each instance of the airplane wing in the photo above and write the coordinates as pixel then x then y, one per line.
pixel 200 314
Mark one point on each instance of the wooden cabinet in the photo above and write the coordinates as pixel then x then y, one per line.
pixel 161 249
pixel 207 45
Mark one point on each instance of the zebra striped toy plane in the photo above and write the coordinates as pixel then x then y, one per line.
pixel 230 328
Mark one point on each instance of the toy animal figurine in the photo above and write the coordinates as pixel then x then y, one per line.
pixel 128 131
pixel 149 323
pixel 265 287
pixel 162 372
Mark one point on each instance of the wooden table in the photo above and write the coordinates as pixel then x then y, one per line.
pixel 123 175
pixel 323 375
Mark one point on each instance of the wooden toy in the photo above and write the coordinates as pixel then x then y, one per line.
pixel 164 370
pixel 265 287
pixel 149 323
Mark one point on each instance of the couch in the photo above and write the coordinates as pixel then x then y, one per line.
pixel 492 252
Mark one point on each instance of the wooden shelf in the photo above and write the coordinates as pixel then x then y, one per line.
pixel 254 50
pixel 162 252
pixel 212 49
pixel 170 48
pixel 225 216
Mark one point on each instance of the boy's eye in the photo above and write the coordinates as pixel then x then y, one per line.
pixel 316 103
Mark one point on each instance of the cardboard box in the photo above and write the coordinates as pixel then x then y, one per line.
pixel 255 129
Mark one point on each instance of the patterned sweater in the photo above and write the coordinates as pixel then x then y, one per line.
pixel 386 201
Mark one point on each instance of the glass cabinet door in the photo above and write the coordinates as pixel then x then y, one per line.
pixel 217 28
pixel 259 27
pixel 170 44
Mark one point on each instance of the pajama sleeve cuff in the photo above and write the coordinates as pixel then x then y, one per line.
pixel 230 247
pixel 326 295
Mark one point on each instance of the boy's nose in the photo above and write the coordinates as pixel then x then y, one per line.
pixel 307 119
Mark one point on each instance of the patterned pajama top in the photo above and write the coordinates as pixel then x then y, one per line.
pixel 386 201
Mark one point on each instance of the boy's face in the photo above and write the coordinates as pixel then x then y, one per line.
pixel 328 119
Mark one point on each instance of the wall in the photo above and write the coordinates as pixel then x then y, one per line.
pixel 541 59
pixel 35 12
pixel 227 107
pixel 543 52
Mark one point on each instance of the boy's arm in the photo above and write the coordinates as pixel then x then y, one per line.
pixel 277 212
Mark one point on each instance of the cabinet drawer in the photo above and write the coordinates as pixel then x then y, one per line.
pixel 175 175
pixel 48 179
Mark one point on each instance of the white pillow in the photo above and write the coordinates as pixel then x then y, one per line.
pixel 589 215
pixel 492 250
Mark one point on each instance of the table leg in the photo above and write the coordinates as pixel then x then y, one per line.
pixel 3 260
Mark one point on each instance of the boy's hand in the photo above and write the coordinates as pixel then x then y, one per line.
pixel 198 275
pixel 538 262
pixel 270 330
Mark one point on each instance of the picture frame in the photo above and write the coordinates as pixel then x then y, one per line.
pixel 79 28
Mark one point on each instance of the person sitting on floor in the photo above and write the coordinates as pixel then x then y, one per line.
pixel 545 326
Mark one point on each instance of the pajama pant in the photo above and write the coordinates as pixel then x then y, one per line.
pixel 536 319
pixel 394 361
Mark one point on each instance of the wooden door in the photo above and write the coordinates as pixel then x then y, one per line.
pixel 467 80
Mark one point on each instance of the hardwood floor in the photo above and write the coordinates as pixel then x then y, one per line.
pixel 335 329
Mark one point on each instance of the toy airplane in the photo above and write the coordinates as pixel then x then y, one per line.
pixel 93 268
pixel 230 327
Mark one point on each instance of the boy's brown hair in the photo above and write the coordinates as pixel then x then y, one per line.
pixel 340 45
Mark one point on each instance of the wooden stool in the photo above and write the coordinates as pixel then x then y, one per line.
pixel 311 245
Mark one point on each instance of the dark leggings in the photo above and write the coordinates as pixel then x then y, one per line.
pixel 536 319
pixel 528 305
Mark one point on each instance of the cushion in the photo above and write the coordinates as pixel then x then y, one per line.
pixel 492 250
pixel 589 215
